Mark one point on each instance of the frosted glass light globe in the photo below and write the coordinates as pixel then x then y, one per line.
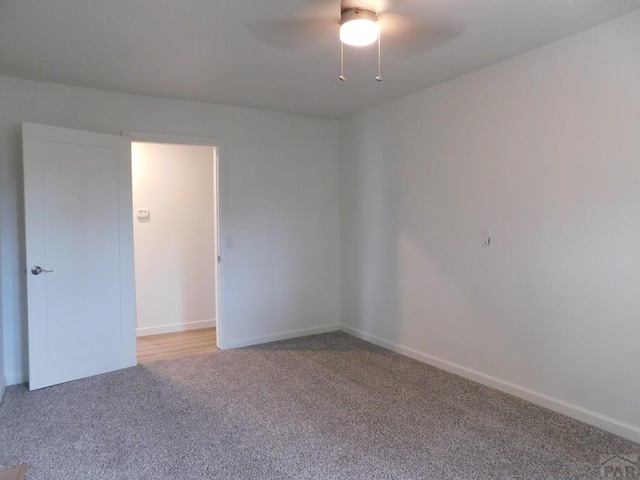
pixel 359 27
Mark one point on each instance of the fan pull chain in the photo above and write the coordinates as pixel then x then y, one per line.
pixel 379 77
pixel 342 77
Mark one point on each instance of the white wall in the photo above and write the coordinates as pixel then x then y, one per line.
pixel 543 150
pixel 281 204
pixel 3 380
pixel 175 250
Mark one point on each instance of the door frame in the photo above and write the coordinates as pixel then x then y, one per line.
pixel 219 207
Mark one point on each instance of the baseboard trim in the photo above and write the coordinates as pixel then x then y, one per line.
pixel 177 327
pixel 604 422
pixel 247 342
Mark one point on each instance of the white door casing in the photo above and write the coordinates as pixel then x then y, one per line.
pixel 78 222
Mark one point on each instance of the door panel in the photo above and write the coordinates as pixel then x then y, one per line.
pixel 78 224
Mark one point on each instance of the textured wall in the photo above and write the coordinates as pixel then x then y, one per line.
pixel 542 150
pixel 280 176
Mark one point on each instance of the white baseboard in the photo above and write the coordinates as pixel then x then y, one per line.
pixel 626 430
pixel 3 386
pixel 177 327
pixel 247 342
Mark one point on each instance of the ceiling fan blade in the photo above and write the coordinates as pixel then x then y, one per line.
pixel 293 34
pixel 403 35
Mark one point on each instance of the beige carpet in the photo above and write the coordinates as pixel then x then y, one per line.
pixel 16 473
pixel 327 407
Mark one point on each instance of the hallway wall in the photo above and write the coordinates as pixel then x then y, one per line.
pixel 175 247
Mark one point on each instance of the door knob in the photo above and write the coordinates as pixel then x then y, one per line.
pixel 37 270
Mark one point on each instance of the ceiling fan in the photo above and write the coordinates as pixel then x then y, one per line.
pixel 402 27
pixel 359 27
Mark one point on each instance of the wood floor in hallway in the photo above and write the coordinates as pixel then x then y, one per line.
pixel 172 345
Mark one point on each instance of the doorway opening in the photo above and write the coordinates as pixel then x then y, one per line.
pixel 175 230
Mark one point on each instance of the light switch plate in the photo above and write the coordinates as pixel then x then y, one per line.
pixel 143 213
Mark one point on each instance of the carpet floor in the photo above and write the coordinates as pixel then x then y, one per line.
pixel 326 407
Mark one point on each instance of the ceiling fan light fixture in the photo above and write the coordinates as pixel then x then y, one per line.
pixel 358 27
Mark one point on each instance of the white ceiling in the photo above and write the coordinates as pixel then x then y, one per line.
pixel 276 54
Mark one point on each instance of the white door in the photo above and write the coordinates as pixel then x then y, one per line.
pixel 79 253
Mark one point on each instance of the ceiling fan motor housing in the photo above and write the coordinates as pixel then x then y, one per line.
pixel 349 14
